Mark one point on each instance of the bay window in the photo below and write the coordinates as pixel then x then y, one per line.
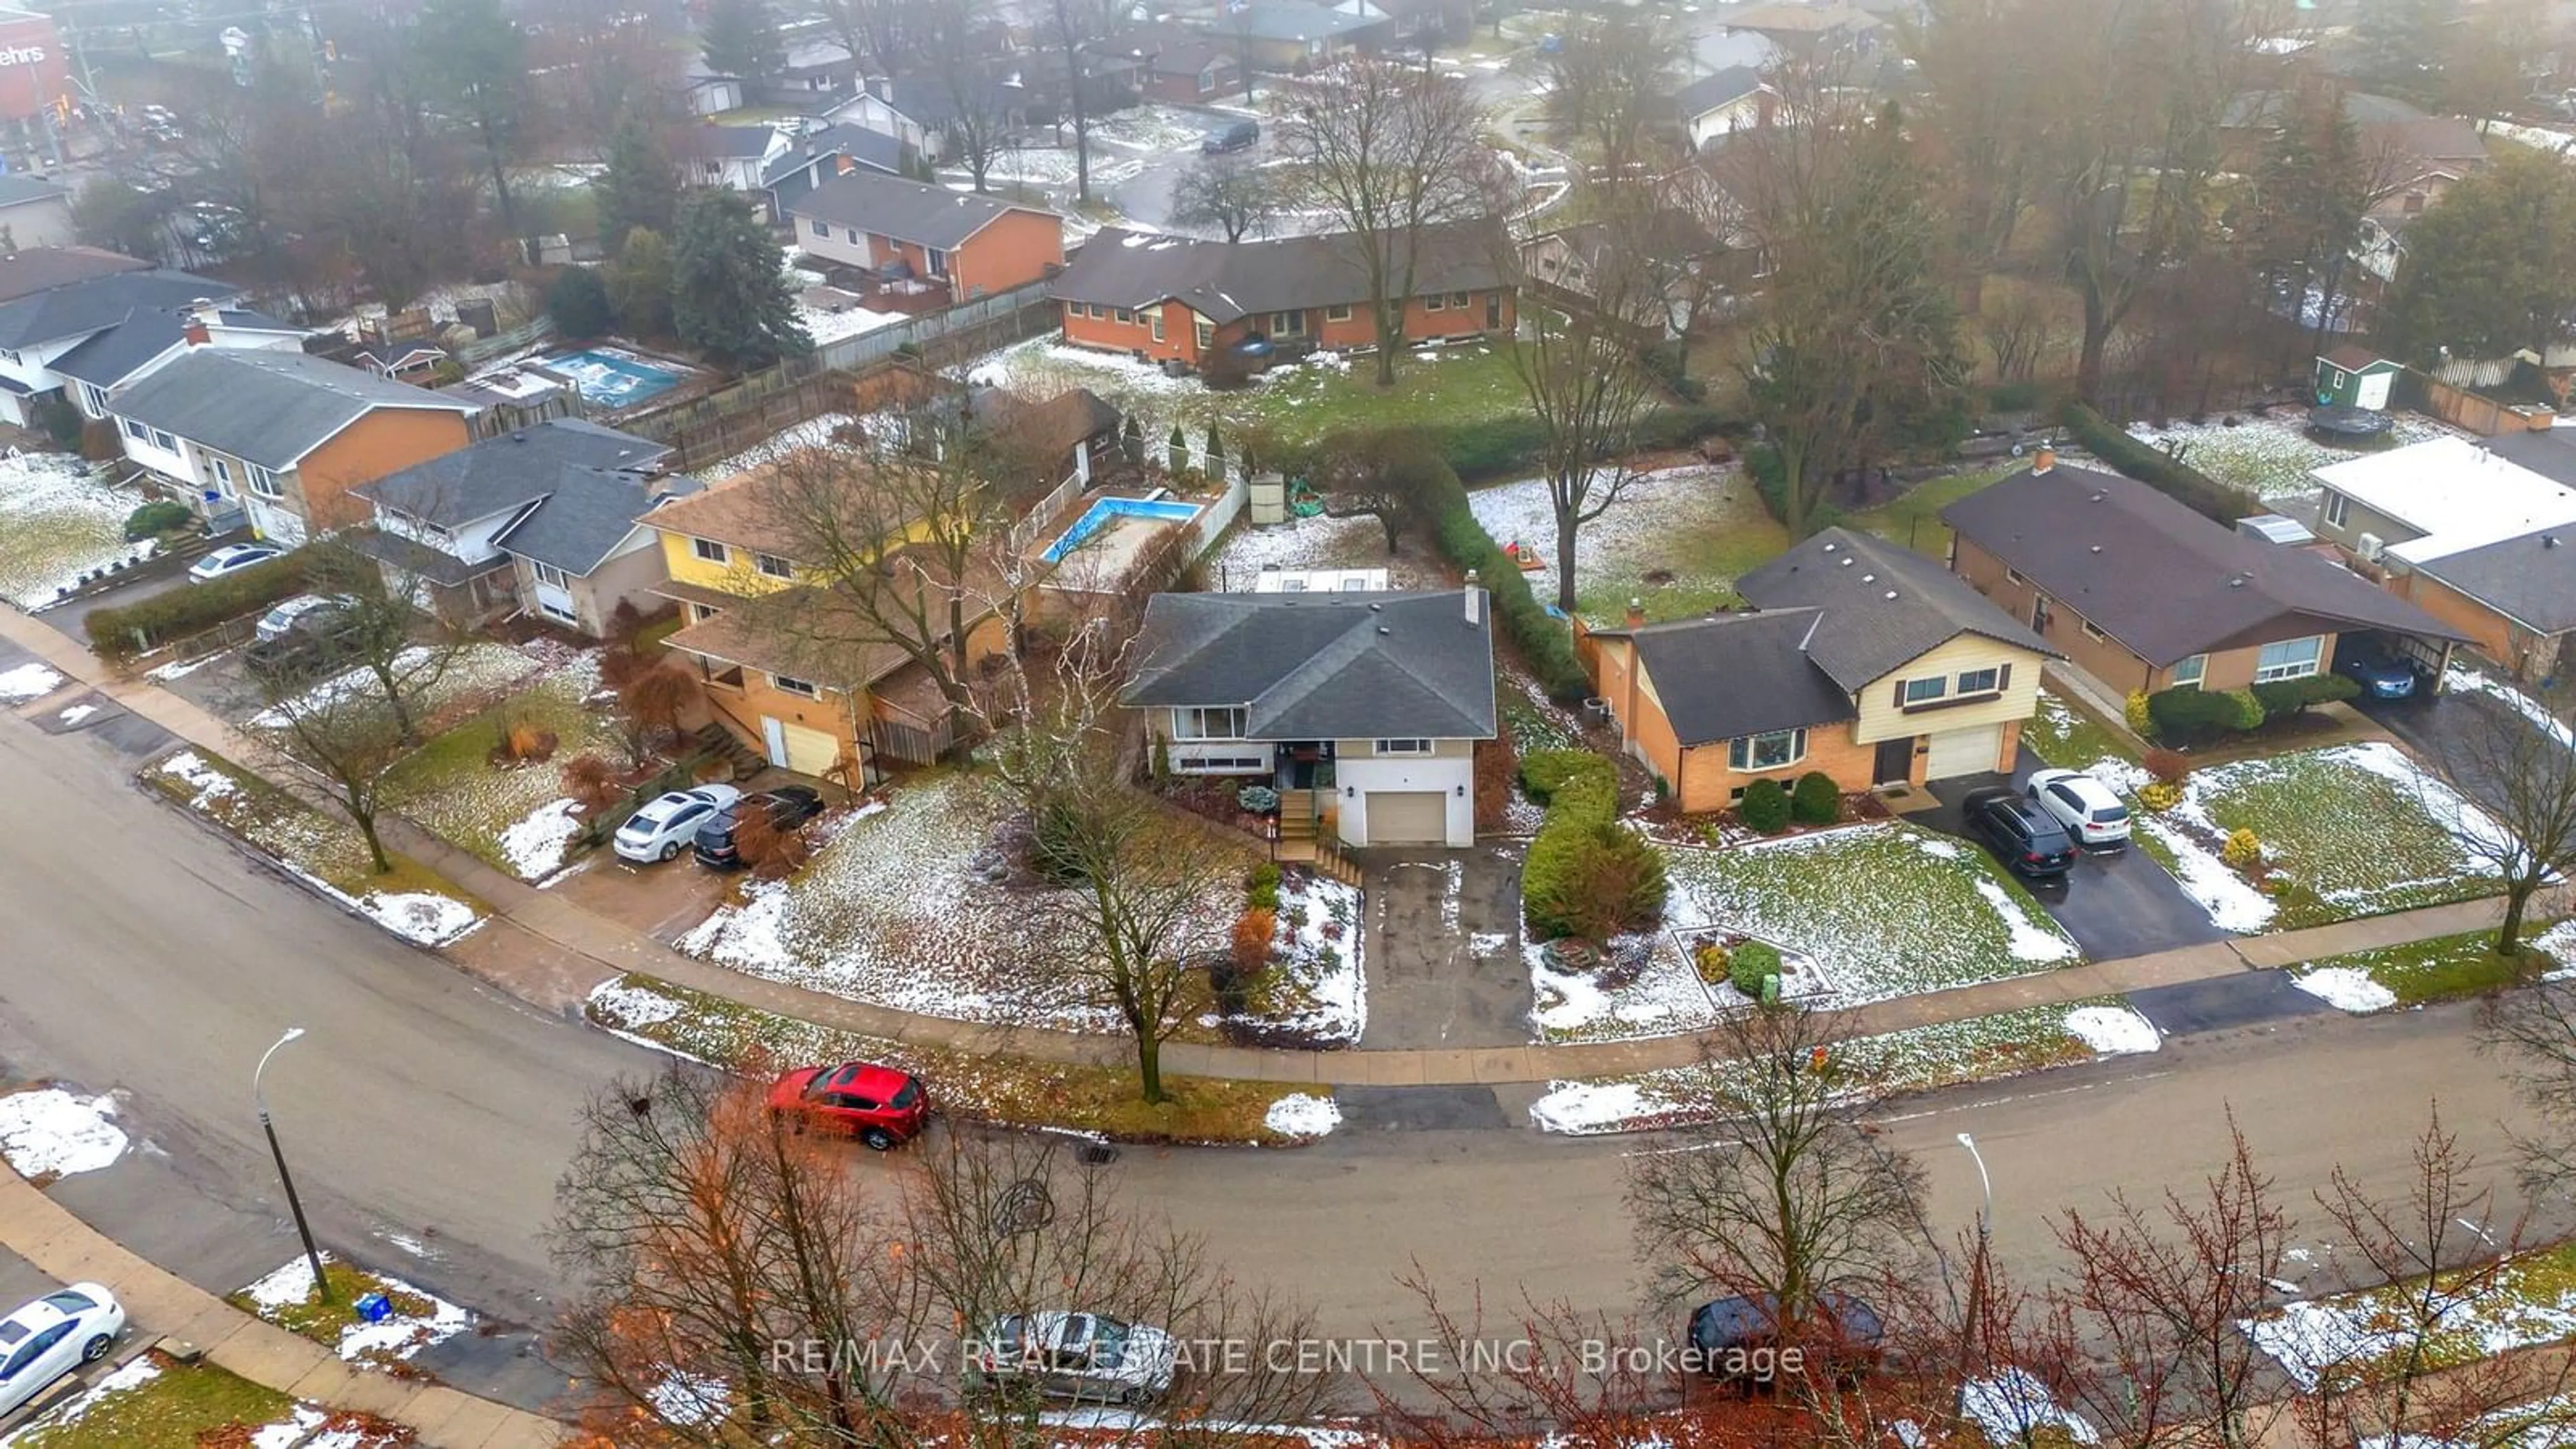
pixel 1197 723
pixel 1776 750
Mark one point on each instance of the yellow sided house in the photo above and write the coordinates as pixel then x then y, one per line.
pixel 1861 659
pixel 789 659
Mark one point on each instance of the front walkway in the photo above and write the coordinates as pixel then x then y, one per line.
pixel 161 1305
pixel 565 937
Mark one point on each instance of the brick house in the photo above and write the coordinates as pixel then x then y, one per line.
pixel 1189 70
pixel 1172 299
pixel 2140 593
pixel 1861 659
pixel 976 245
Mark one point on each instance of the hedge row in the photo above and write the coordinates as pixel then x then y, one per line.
pixel 1498 447
pixel 2187 714
pixel 1546 642
pixel 1770 483
pixel 2180 481
pixel 1586 875
pixel 122 633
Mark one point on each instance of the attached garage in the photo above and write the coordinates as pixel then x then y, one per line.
pixel 1408 817
pixel 1965 752
pixel 795 747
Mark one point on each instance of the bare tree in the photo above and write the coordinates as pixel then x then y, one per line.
pixel 2534 1031
pixel 2156 1299
pixel 1390 474
pixel 877 33
pixel 955 42
pixel 1787 1193
pixel 1612 85
pixel 1228 194
pixel 1076 27
pixel 350 737
pixel 2523 778
pixel 1395 156
pixel 1975 58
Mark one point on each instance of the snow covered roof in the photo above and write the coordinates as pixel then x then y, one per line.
pixel 2456 494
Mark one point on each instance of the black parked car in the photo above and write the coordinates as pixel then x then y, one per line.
pixel 789 806
pixel 1740 1338
pixel 1240 136
pixel 306 651
pixel 2020 832
pixel 2377 669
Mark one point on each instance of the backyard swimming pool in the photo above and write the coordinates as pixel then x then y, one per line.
pixel 1098 515
pixel 609 378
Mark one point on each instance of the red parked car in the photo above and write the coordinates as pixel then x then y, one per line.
pixel 878 1105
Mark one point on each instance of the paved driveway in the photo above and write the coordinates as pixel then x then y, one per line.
pixel 1444 958
pixel 2117 903
pixel 2438 727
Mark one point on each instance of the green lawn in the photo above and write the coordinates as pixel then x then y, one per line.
pixel 56 523
pixel 325 1322
pixel 159 1404
pixel 1915 519
pixel 2444 968
pixel 2065 735
pixel 2527 1300
pixel 991 1088
pixel 1888 909
pixel 451 787
pixel 1676 540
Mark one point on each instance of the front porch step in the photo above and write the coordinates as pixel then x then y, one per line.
pixel 727 746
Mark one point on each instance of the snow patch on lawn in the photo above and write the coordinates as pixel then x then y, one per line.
pixel 2113 1031
pixel 1318 949
pixel 535 846
pixel 2028 941
pixel 1632 535
pixel 57 522
pixel 2346 988
pixel 2456 679
pixel 1663 998
pixel 2014 1407
pixel 814 432
pixel 191 769
pixel 1580 1109
pixel 181 668
pixel 133 1374
pixel 1301 1115
pixel 474 669
pixel 52 1133
pixel 687 1399
pixel 1320 542
pixel 424 917
pixel 2270 454
pixel 633 1006
pixel 2233 903
pixel 26 682
pixel 398 1335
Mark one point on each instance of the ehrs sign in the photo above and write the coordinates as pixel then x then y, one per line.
pixel 33 73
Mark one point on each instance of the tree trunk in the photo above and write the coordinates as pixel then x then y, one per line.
pixel 2517 895
pixel 1390 333
pixel 501 188
pixel 2097 339
pixel 1566 529
pixel 1149 1066
pixel 365 820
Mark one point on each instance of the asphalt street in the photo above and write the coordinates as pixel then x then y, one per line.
pixel 428 1117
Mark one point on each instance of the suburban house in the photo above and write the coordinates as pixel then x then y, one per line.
pixel 1188 69
pixel 788 663
pixel 813 70
pixel 282 435
pixel 1362 709
pixel 1807 29
pixel 1724 101
pixel 798 167
pixel 1861 659
pixel 106 363
pixel 540 521
pixel 1682 269
pixel 42 325
pixel 919 113
pixel 400 360
pixel 34 212
pixel 975 245
pixel 2140 593
pixel 1172 299
pixel 2476 536
pixel 733 157
pixel 1286 35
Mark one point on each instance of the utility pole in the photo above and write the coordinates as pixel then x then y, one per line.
pixel 294 1205
pixel 1972 1333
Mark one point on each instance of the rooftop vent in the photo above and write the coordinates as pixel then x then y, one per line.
pixel 1869 578
pixel 2097 548
pixel 2549 540
pixel 1384 630
pixel 1847 563
pixel 1891 593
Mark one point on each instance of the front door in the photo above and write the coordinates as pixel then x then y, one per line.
pixel 1493 311
pixel 773 733
pixel 1895 762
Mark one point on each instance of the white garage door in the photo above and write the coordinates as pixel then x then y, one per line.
pixel 1408 817
pixel 1965 752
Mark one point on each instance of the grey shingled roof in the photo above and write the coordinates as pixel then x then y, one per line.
pixel 112 356
pixel 1740 674
pixel 76 309
pixel 2527 579
pixel 868 148
pixel 588 512
pixel 499 475
pixel 1883 605
pixel 269 408
pixel 1325 666
pixel 1716 89
pixel 912 211
pixel 1298 22
pixel 2551 452
pixel 2161 579
pixel 1228 280
pixel 712 141
pixel 30 270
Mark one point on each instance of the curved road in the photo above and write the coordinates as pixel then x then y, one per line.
pixel 142 954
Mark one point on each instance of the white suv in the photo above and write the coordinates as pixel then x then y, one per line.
pixel 2084 805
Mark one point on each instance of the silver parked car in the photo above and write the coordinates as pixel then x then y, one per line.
pixel 1086 1356
pixel 2085 806
pixel 301 612
pixel 668 823
pixel 52 1336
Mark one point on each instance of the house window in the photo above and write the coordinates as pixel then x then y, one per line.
pixel 135 430
pixel 1206 334
pixel 854 235
pixel 2013 576
pixel 1924 691
pixel 2186 675
pixel 1288 324
pixel 1774 751
pixel 1156 318
pixel 1435 304
pixel 822 229
pixel 1981 681
pixel 2096 635
pixel 2338 508
pixel 1341 313
pixel 1404 747
pixel 164 441
pixel 938 262
pixel 801 688
pixel 559 612
pixel 772 565
pixel 2289 659
pixel 709 550
pixel 700 613
pixel 1126 316
pixel 1208 724
pixel 1457 301
pixel 549 575
pixel 263 482
pixel 1207 81
pixel 93 399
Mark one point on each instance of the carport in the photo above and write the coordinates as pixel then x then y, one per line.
pixel 2430 657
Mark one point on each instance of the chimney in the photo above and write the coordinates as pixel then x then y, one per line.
pixel 1475 600
pixel 2044 459
pixel 195 332
pixel 204 311
pixel 1636 613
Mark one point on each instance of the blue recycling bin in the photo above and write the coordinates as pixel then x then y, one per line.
pixel 374 1307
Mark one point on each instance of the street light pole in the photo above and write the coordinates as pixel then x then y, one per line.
pixel 1972 1335
pixel 295 1205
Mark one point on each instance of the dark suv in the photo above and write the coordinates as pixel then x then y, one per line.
pixel 789 806
pixel 1741 1338
pixel 307 650
pixel 2020 832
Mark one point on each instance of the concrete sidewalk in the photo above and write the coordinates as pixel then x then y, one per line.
pixel 160 1305
pixel 567 935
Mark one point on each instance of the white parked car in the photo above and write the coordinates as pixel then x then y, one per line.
pixel 1089 1356
pixel 231 559
pixel 54 1335
pixel 2084 805
pixel 287 617
pixel 667 823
